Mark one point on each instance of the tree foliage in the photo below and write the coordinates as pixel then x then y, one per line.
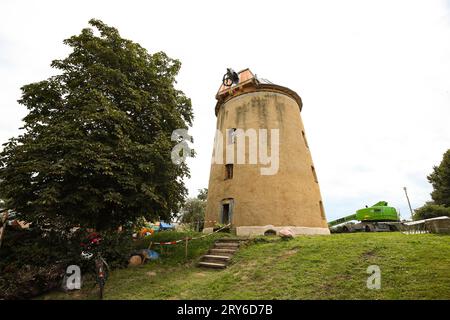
pixel 97 138
pixel 193 211
pixel 431 210
pixel 440 179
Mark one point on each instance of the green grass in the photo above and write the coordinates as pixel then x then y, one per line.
pixel 307 267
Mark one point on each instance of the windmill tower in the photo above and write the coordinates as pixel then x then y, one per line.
pixel 262 176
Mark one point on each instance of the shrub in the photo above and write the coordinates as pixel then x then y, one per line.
pixel 32 263
pixel 28 281
pixel 431 210
pixel 116 248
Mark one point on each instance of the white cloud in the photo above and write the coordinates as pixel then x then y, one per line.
pixel 374 77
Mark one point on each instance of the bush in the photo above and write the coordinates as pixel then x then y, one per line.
pixel 29 281
pixel 431 210
pixel 116 248
pixel 32 263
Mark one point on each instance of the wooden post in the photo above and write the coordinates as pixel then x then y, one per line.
pixel 186 248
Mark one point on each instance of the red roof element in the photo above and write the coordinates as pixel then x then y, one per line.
pixel 249 82
pixel 245 76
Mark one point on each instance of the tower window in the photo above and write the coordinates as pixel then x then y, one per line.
pixel 304 139
pixel 228 171
pixel 314 174
pixel 322 211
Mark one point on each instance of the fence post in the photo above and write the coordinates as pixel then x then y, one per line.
pixel 186 248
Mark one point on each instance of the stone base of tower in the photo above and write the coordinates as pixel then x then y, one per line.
pixel 247 231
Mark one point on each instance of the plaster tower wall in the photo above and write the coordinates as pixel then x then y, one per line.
pixel 252 202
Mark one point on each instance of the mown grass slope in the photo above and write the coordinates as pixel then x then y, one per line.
pixel 307 267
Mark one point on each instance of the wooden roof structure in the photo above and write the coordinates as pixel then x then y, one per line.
pixel 249 82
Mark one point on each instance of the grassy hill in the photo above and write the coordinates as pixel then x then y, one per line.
pixel 307 267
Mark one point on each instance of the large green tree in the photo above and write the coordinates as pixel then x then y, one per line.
pixel 96 147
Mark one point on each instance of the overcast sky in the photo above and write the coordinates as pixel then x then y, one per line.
pixel 374 77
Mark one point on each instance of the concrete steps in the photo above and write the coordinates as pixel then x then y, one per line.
pixel 212 265
pixel 220 255
pixel 222 251
pixel 231 240
pixel 226 245
pixel 216 259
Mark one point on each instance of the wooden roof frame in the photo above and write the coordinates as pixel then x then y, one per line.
pixel 252 84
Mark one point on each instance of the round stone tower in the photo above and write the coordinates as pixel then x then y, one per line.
pixel 262 176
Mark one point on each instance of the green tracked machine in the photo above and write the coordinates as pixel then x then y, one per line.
pixel 377 218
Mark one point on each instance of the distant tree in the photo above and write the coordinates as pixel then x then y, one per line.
pixel 440 179
pixel 430 210
pixel 193 211
pixel 96 150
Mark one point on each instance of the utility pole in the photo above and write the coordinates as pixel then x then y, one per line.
pixel 409 203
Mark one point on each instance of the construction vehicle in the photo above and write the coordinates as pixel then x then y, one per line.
pixel 377 218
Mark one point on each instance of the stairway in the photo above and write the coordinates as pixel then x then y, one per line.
pixel 219 256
